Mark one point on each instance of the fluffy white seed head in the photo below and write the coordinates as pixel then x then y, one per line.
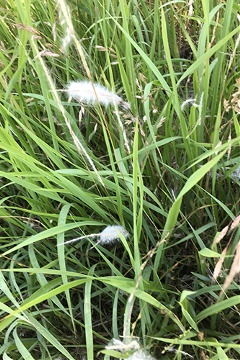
pixel 140 355
pixel 122 346
pixel 111 234
pixel 116 344
pixel 93 93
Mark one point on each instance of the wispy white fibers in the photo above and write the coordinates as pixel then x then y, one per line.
pixel 109 235
pixel 140 355
pixel 134 345
pixel 93 93
pixel 116 344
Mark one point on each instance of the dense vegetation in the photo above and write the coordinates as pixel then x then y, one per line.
pixel 165 171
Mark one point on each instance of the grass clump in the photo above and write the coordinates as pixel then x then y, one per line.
pixel 146 154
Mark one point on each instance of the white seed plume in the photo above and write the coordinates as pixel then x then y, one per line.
pixel 140 355
pixel 93 93
pixel 116 344
pixel 134 345
pixel 190 101
pixel 109 235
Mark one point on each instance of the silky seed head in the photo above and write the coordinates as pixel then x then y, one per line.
pixel 93 93
pixel 140 355
pixel 111 234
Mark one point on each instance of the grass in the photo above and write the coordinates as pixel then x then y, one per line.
pixel 163 170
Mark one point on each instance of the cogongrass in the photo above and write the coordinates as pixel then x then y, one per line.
pixel 164 171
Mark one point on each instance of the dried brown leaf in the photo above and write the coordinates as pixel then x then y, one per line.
pixel 235 223
pixel 235 269
pixel 218 266
pixel 221 235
